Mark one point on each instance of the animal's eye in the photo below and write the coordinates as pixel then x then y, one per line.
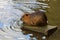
pixel 26 14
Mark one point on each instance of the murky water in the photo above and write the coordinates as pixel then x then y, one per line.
pixel 53 15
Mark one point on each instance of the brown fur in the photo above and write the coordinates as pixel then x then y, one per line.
pixel 36 19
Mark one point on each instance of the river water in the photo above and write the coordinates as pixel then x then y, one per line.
pixel 10 14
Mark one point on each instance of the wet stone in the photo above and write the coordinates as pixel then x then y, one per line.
pixel 46 30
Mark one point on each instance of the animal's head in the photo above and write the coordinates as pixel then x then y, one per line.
pixel 26 18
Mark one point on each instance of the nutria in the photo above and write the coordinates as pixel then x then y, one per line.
pixel 37 18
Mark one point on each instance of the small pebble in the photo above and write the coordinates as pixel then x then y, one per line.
pixel 44 37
